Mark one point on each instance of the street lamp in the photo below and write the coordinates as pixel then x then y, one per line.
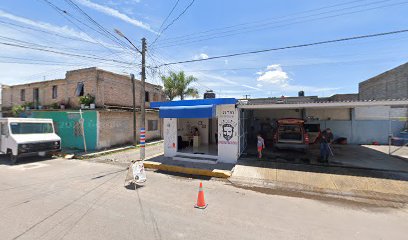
pixel 142 96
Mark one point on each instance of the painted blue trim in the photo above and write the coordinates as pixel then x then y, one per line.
pixel 195 102
pixel 198 111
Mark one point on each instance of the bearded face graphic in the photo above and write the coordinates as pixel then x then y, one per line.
pixel 227 131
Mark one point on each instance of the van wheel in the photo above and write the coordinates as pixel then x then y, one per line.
pixel 13 159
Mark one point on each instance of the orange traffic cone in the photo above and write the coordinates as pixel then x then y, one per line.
pixel 200 200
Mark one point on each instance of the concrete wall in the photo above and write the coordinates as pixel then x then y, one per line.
pixel 170 136
pixel 68 128
pixel 392 84
pixel 116 128
pixel 277 114
pixel 228 142
pixel 185 126
pixel 329 114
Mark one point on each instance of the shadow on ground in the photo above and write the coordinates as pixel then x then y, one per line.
pixel 351 160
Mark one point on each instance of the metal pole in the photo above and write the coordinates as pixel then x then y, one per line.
pixel 143 102
pixel 132 77
pixel 82 128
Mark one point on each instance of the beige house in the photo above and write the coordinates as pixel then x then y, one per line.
pixel 108 88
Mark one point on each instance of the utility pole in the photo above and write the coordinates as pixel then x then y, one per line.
pixel 143 102
pixel 246 96
pixel 132 77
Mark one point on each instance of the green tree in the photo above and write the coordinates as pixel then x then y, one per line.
pixel 177 84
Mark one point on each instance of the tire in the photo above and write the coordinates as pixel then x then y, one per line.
pixel 13 159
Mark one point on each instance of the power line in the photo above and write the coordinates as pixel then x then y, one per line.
pixel 62 53
pixel 289 47
pixel 255 28
pixel 114 39
pixel 164 21
pixel 260 21
pixel 173 21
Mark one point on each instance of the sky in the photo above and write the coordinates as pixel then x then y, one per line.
pixel 65 38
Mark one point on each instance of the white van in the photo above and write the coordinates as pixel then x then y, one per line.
pixel 27 136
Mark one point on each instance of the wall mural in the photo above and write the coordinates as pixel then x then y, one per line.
pixel 227 122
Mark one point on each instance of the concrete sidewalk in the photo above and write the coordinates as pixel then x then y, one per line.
pixel 344 183
pixel 219 170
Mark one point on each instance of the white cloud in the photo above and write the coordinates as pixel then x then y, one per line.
pixel 259 85
pixel 250 87
pixel 274 75
pixel 45 26
pixel 200 56
pixel 115 13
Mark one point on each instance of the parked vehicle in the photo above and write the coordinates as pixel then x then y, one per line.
pixel 291 134
pixel 27 136
pixel 314 132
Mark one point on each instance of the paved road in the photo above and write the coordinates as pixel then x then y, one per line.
pixel 73 199
pixel 124 157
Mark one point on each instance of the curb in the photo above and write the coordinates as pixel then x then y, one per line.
pixel 116 150
pixel 191 171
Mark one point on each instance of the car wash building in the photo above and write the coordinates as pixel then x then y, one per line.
pixel 203 130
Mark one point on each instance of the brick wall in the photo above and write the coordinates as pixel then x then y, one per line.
pixel 392 84
pixel 12 94
pixel 107 87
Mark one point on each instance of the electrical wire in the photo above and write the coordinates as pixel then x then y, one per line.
pixel 174 20
pixel 164 21
pixel 62 53
pixel 289 47
pixel 301 20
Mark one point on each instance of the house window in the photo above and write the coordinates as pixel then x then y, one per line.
pixel 152 125
pixel 22 95
pixel 36 95
pixel 54 92
pixel 147 96
pixel 79 89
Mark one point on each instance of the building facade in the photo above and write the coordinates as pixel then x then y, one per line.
pixel 392 84
pixel 108 88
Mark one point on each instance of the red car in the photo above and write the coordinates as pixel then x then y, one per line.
pixel 291 134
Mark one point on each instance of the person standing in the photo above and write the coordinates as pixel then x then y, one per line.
pixel 325 141
pixel 260 144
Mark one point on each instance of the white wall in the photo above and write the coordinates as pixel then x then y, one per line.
pixel 329 113
pixel 228 146
pixel 185 125
pixel 170 136
pixel 263 114
pixel 372 113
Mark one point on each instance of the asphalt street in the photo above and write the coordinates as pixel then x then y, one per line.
pixel 78 199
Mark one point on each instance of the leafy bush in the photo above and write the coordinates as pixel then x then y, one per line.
pixel 16 110
pixel 87 99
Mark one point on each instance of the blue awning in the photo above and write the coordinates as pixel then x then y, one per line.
pixel 198 111
pixel 197 108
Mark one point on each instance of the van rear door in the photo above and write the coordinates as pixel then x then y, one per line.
pixel 290 134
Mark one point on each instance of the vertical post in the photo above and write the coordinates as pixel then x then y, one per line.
pixel 143 102
pixel 82 128
pixel 132 77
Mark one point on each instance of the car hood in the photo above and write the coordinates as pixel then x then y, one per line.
pixel 34 138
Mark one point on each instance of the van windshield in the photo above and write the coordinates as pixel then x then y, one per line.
pixel 31 128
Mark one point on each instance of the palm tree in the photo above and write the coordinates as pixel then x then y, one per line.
pixel 177 84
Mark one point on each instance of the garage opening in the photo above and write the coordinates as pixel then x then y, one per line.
pixel 361 134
